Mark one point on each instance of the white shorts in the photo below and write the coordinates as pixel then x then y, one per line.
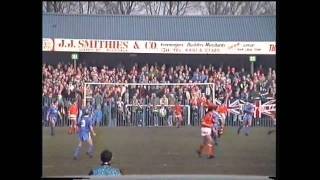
pixel 178 117
pixel 205 131
pixel 73 117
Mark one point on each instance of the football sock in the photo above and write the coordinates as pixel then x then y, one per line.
pixel 90 150
pixel 239 129
pixel 211 150
pixel 247 129
pixel 77 152
pixel 52 130
pixel 215 138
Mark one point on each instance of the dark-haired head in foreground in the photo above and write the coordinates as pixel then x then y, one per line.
pixel 105 169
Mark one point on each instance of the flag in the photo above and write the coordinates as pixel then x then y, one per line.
pixel 235 107
pixel 269 107
pixel 257 109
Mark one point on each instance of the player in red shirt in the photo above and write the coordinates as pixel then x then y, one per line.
pixel 223 111
pixel 206 103
pixel 178 112
pixel 206 129
pixel 73 114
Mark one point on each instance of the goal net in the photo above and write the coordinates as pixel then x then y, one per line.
pixel 148 104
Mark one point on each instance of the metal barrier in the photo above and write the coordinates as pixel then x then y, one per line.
pixel 236 120
pixel 146 117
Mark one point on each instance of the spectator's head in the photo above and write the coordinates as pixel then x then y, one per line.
pixel 55 103
pixel 106 156
pixel 233 70
pixel 207 96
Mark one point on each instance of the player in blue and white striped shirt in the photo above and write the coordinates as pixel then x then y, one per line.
pixel 216 127
pixel 248 111
pixel 52 116
pixel 85 131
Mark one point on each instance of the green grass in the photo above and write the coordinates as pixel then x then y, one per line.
pixel 162 151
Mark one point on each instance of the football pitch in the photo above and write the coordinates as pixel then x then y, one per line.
pixel 162 150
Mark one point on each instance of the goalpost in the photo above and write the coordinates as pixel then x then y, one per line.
pixel 87 97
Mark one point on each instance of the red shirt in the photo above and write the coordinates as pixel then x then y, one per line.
pixel 222 109
pixel 208 120
pixel 73 109
pixel 178 109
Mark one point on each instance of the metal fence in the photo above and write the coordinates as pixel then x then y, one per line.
pixel 148 117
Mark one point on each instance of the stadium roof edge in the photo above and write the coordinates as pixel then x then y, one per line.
pixel 160 16
pixel 160 28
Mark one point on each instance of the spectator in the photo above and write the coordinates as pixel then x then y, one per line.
pixel 98 99
pixel 120 112
pixel 97 118
pixel 113 105
pixel 65 83
pixel 105 169
pixel 196 76
pixel 164 100
pixel 136 111
pixel 154 101
pixel 203 77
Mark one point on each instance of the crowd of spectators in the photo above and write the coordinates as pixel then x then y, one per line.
pixel 64 83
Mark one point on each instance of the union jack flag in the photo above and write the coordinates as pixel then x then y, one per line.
pixel 269 107
pixel 236 107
